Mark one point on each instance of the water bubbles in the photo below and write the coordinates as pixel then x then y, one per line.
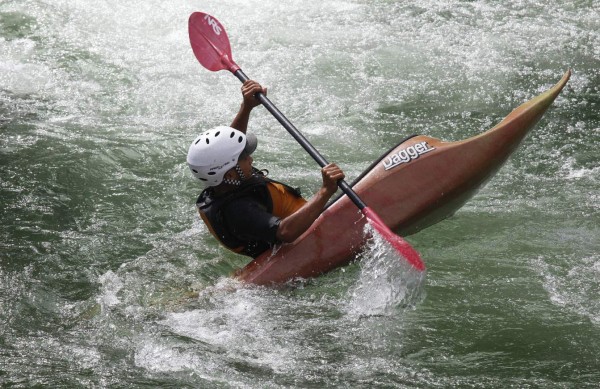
pixel 572 283
pixel 97 107
pixel 111 285
pixel 385 283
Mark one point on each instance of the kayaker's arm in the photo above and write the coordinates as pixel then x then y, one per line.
pixel 294 225
pixel 249 89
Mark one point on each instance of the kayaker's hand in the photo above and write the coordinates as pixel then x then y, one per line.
pixel 294 225
pixel 331 175
pixel 249 89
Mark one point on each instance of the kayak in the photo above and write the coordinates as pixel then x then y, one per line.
pixel 416 184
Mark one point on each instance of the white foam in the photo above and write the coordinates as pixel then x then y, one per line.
pixel 111 285
pixel 386 282
pixel 237 321
pixel 574 285
pixel 573 172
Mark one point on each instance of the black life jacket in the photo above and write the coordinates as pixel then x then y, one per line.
pixel 210 208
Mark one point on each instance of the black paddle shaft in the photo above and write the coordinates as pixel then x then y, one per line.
pixel 347 189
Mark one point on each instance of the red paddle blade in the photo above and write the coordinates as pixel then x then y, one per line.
pixel 210 43
pixel 402 246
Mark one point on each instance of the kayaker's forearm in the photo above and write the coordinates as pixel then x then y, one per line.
pixel 297 223
pixel 240 122
pixel 249 90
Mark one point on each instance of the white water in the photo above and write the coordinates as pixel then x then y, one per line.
pixel 108 278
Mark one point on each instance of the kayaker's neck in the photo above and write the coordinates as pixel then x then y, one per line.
pixel 223 189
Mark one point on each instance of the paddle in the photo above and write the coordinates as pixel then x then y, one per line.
pixel 212 49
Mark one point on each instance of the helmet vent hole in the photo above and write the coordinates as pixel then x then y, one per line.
pixel 207 141
pixel 203 179
pixel 199 139
pixel 232 134
pixel 217 134
pixel 195 171
pixel 240 139
pixel 211 173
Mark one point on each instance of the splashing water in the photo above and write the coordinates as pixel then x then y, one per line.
pixel 102 248
pixel 385 282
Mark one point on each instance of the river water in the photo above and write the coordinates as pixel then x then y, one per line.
pixel 109 279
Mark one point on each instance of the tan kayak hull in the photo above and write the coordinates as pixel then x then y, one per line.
pixel 419 183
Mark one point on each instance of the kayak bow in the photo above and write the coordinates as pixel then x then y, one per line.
pixel 418 183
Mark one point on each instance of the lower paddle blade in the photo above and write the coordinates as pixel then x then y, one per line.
pixel 402 246
pixel 210 43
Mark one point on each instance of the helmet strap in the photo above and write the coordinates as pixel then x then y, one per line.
pixel 240 173
pixel 232 182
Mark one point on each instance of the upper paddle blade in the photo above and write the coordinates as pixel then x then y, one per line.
pixel 402 246
pixel 210 43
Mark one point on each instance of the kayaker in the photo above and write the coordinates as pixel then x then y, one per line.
pixel 246 211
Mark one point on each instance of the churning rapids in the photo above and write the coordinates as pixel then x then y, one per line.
pixel 109 279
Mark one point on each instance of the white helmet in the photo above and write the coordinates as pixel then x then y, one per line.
pixel 216 151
